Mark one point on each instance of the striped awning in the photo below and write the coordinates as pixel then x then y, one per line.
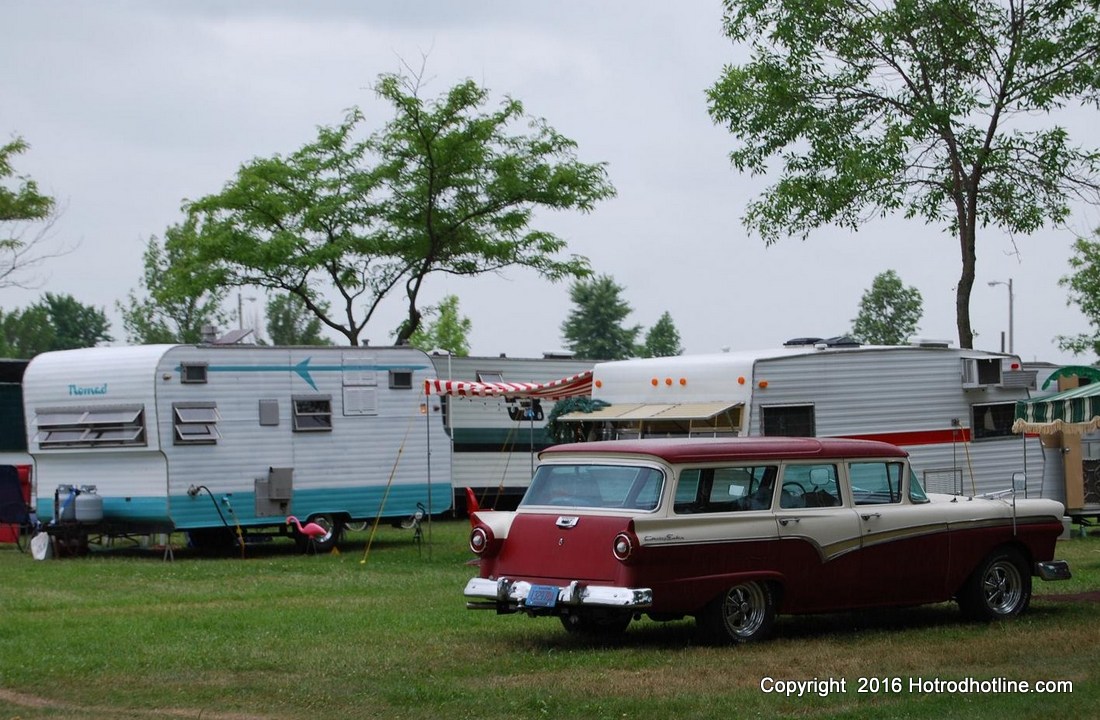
pixel 579 384
pixel 1073 411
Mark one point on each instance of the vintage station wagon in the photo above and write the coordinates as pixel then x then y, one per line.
pixel 735 531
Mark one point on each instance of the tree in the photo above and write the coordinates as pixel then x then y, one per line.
pixel 448 331
pixel 26 333
pixel 888 311
pixel 1084 290
pixel 27 218
pixel 173 310
pixel 23 202
pixel 56 322
pixel 872 108
pixel 289 322
pixel 444 186
pixel 663 339
pixel 594 327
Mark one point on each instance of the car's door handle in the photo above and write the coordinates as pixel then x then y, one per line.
pixel 784 521
pixel 868 516
pixel 566 522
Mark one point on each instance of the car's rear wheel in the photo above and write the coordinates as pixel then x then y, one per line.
pixel 596 622
pixel 742 614
pixel 998 589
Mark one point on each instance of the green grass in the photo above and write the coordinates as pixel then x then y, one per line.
pixel 122 634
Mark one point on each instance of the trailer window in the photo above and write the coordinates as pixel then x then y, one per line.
pixel 90 427
pixel 193 372
pixel 313 414
pixel 195 423
pixel 789 420
pixel 401 379
pixel 992 421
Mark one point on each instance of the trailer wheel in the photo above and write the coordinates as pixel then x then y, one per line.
pixel 1000 588
pixel 335 527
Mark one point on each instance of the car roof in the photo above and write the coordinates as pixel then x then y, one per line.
pixel 681 450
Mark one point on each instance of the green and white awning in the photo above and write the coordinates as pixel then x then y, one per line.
pixel 1075 412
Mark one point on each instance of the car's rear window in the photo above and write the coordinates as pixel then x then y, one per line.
pixel 630 487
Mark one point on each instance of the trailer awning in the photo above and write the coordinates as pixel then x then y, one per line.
pixel 579 384
pixel 1075 412
pixel 641 412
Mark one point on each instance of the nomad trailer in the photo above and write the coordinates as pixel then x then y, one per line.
pixel 952 409
pixel 219 439
pixel 496 424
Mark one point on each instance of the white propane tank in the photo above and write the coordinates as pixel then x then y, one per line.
pixel 89 505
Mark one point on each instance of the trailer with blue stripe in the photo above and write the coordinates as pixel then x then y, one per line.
pixel 222 440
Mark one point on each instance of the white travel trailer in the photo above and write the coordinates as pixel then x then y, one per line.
pixel 219 439
pixel 495 436
pixel 952 409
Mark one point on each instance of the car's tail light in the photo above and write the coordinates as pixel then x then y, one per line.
pixel 479 540
pixel 622 546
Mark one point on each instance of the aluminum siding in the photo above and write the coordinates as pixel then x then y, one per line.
pixel 901 390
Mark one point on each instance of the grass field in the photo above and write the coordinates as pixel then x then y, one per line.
pixel 279 635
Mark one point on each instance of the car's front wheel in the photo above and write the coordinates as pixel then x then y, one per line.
pixel 998 589
pixel 742 614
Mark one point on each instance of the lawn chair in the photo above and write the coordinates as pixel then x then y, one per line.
pixel 14 510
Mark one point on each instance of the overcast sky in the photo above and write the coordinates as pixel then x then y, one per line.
pixel 132 107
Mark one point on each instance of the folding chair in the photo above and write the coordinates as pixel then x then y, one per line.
pixel 14 510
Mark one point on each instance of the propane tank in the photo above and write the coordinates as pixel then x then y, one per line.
pixel 89 505
pixel 64 503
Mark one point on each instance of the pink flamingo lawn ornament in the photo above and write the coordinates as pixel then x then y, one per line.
pixel 311 531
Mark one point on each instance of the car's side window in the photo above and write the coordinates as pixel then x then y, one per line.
pixel 875 483
pixel 725 489
pixel 810 485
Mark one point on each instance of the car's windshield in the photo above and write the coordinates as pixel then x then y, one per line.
pixel 632 487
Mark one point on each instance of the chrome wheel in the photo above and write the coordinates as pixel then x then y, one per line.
pixel 1002 587
pixel 999 588
pixel 743 610
pixel 744 613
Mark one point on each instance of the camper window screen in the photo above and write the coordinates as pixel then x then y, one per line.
pixel 90 427
pixel 195 423
pixel 313 414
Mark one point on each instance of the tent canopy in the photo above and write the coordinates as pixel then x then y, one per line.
pixel 579 384
pixel 1074 411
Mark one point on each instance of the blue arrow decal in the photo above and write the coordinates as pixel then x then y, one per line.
pixel 304 370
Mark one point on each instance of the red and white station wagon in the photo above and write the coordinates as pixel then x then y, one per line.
pixel 736 531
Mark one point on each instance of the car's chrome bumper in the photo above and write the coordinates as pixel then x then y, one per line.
pixel 1053 570
pixel 506 595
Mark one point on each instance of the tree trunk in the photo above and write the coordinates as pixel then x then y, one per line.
pixel 967 244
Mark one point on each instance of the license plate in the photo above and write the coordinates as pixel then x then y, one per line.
pixel 542 596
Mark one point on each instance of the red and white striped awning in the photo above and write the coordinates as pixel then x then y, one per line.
pixel 579 384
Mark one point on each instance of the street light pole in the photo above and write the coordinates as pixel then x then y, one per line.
pixel 1011 302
